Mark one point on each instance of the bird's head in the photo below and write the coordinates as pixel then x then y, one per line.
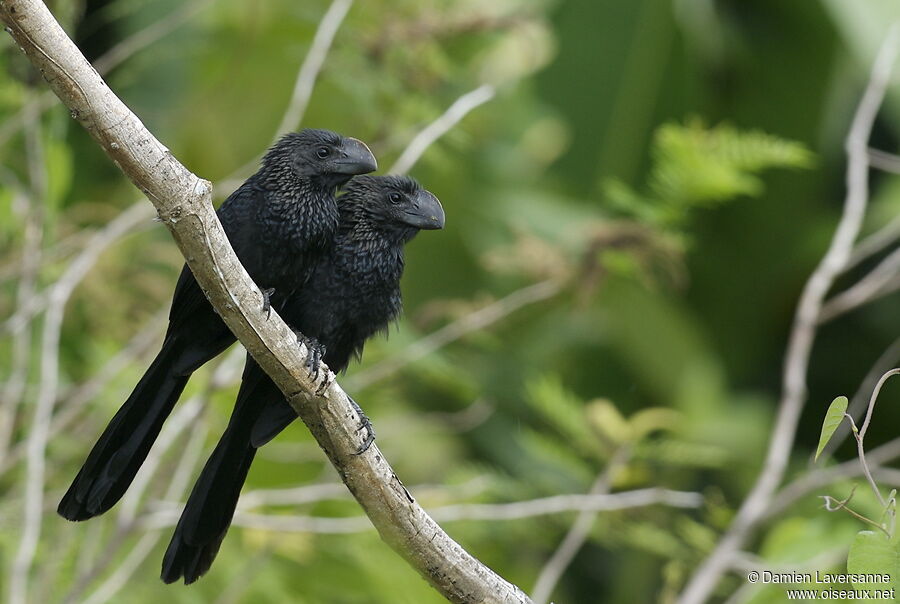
pixel 320 155
pixel 392 204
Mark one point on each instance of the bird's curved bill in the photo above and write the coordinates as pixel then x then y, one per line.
pixel 356 158
pixel 427 212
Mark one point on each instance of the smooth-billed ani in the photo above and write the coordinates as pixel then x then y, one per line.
pixel 280 222
pixel 352 293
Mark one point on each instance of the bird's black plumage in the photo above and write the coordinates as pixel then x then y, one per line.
pixel 352 293
pixel 280 221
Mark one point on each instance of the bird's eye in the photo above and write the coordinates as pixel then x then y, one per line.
pixel 394 198
pixel 323 152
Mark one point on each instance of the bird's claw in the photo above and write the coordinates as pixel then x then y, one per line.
pixel 325 383
pixel 267 301
pixel 316 352
pixel 364 424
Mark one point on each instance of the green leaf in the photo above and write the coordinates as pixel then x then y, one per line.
pixel 873 552
pixel 606 419
pixel 833 419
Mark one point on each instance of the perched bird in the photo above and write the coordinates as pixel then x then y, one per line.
pixel 353 293
pixel 280 222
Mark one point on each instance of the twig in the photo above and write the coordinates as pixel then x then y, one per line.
pixel 312 493
pixel 453 331
pixel 803 333
pixel 862 460
pixel 868 420
pixel 312 64
pixel 810 481
pixel 860 435
pixel 875 284
pixel 183 202
pixel 115 56
pixel 835 505
pixel 126 524
pixel 171 432
pixel 77 397
pixel 591 503
pixel 557 564
pixel 293 496
pixel 46 398
pixel 178 486
pixel 303 86
pixel 884 160
pixel 862 397
pixel 60 250
pixel 124 570
pixel 439 127
pixel 874 243
pixel 143 38
pixel 33 218
pixel 544 506
pixel 38 302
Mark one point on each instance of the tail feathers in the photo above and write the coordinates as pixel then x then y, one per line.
pixel 276 416
pixel 190 562
pixel 210 508
pixel 115 459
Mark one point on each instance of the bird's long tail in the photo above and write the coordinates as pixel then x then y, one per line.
pixel 213 500
pixel 115 459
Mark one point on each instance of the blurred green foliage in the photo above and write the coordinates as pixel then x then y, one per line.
pixel 602 167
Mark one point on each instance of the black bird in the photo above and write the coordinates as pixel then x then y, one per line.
pixel 280 222
pixel 353 293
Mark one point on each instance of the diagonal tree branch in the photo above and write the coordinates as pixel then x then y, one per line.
pixel 183 201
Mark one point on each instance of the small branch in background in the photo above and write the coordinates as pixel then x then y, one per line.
pixel 811 481
pixel 334 491
pixel 878 282
pixel 78 396
pixel 186 416
pixel 803 333
pixel 301 495
pixel 439 127
pixel 178 488
pixel 453 331
pixel 31 207
pixel 573 541
pixel 875 243
pixel 861 434
pixel 114 57
pixel 591 504
pixel 835 505
pixel 312 65
pixel 38 302
pixel 865 466
pixel 39 429
pixel 862 397
pixel 884 160
pixel 303 86
pixel 143 38
pixel 871 410
pixel 181 420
